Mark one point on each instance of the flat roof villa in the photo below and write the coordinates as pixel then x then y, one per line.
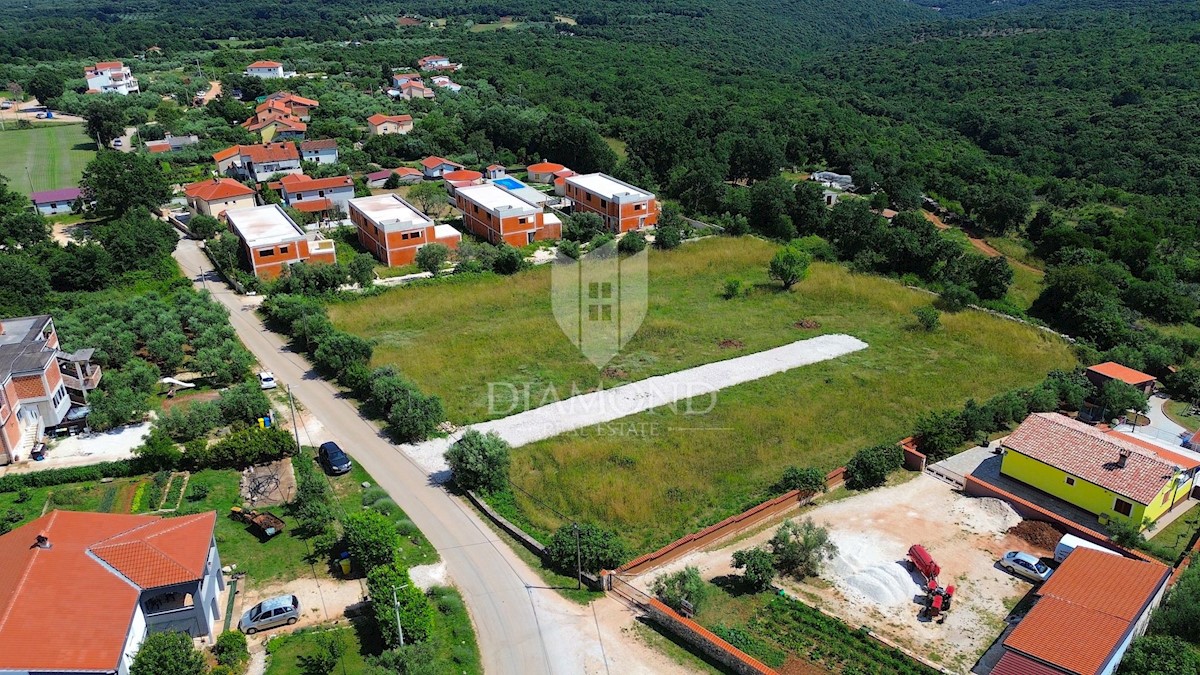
pixel 623 206
pixel 496 214
pixel 272 241
pixel 395 230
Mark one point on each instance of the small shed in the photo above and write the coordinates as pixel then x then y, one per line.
pixel 1101 373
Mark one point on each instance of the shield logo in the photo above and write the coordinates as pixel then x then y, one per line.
pixel 599 300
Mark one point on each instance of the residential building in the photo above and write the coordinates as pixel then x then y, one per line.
pixel 272 241
pixel 437 62
pixel 55 202
pixel 317 195
pixel 413 89
pixel 622 206
pixel 494 171
pixel 542 172
pixel 39 383
pixel 1101 373
pixel 286 101
pixel 461 178
pixel 406 175
pixel 445 82
pixel 521 190
pixel 213 197
pixel 379 124
pixel 400 78
pixel 80 591
pixel 434 167
pixel 110 77
pixel 324 151
pixel 1085 616
pixel 258 162
pixel 172 143
pixel 560 181
pixel 498 215
pixel 394 230
pixel 267 70
pixel 281 116
pixel 1113 475
pixel 833 180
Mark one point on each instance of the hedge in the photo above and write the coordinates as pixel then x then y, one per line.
pixel 76 474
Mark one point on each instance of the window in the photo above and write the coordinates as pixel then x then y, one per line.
pixel 1123 507
pixel 266 252
pixel 638 207
pixel 283 249
pixel 1070 480
pixel 58 395
pixel 603 203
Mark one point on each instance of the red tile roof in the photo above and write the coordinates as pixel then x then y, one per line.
pixel 291 99
pixel 434 162
pixel 227 153
pixel 1085 610
pixel 1125 374
pixel 1091 454
pixel 217 188
pixel 300 182
pixel 155 148
pixel 270 152
pixel 493 167
pixel 109 65
pixel 323 144
pixel 379 118
pixel 462 175
pixel 544 167
pixel 265 64
pixel 406 171
pixel 1012 663
pixel 62 609
pixel 312 205
pixel 1165 454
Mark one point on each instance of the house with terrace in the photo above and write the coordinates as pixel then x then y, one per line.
pixel 41 386
pixel 258 162
pixel 268 70
pixel 622 206
pixel 110 77
pixel 316 195
pixel 214 196
pixel 79 592
pixel 404 175
pixel 272 241
pixel 381 125
pixel 435 167
pixel 1113 475
pixel 394 230
pixel 324 151
pixel 498 215
pixel 437 62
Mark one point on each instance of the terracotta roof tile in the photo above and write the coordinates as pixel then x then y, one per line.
pixel 544 167
pixel 433 162
pixel 1116 371
pixel 270 152
pixel 1091 454
pixel 301 182
pixel 217 188
pixel 1012 663
pixel 265 64
pixel 379 118
pixel 323 144
pixel 312 205
pixel 462 175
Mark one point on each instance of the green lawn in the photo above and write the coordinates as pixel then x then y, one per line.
pixel 55 155
pixel 1026 286
pixel 1178 412
pixel 1176 536
pixel 618 147
pixel 1016 250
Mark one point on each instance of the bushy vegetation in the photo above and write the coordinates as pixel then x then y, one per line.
pixel 230 649
pixel 168 652
pixel 870 467
pixel 599 549
pixel 480 462
pixel 388 581
pixel 802 548
pixel 686 585
pixel 370 539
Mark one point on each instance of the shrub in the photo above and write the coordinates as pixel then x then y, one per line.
pixel 480 461
pixel 733 288
pixel 955 298
pixel 168 652
pixel 599 549
pixel 685 585
pixel 230 649
pixel 801 549
pixel 1159 655
pixel 370 538
pixel 569 248
pixel 939 433
pixel 415 416
pixel 870 467
pixel 186 423
pixel 77 474
pixel 197 492
pixel 372 495
pixel 244 402
pixel 508 260
pixel 817 247
pixel 158 452
pixel 632 242
pixel 431 257
pixel 667 237
pixel 330 646
pixel 928 317
pixel 789 265
pixel 338 351
pixel 600 241
pixel 416 614
pixel 807 479
pixel 245 448
pixel 1179 614
pixel 759 565
pixel 311 506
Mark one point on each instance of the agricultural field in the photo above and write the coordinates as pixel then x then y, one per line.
pixel 55 154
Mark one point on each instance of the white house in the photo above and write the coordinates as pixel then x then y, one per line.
pixel 268 70
pixel 258 162
pixel 437 62
pixel 110 77
pixel 445 82
pixel 324 151
pixel 112 579
pixel 434 167
pixel 215 196
pixel 316 195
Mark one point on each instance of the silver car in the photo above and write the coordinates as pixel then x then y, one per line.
pixel 1026 565
pixel 277 611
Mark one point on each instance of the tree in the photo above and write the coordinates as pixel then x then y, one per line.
pixel 119 182
pixel 23 229
pixel 415 416
pixel 168 652
pixel 105 119
pixel 807 479
pixel 599 549
pixel 45 84
pixel 771 204
pixel 686 585
pixel 1159 655
pixel 508 260
pixel 330 646
pixel 428 196
pixel 392 591
pixel 870 467
pixel 338 350
pixel 632 242
pixel 480 462
pixel 392 182
pixel 158 453
pixel 361 270
pixel 24 286
pixel 205 227
pixel 243 402
pixel 1000 201
pixel 1117 398
pixel 788 266
pixel 801 549
pixel 431 257
pixel 583 226
pixel 759 565
pixel 230 648
pixel 992 277
pixel 370 539
pixel 956 298
pixel 928 317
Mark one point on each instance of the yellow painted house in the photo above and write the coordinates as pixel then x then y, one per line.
pixel 1108 473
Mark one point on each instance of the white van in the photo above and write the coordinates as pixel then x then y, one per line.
pixel 1070 542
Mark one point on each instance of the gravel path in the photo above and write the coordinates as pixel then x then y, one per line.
pixel 598 407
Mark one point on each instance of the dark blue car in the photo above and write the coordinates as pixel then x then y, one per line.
pixel 333 459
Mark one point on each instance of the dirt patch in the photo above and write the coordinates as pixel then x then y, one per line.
pixel 795 666
pixel 321 600
pixel 268 484
pixel 1038 533
pixel 731 344
pixel 614 373
pixel 168 403
pixel 807 324
pixel 124 501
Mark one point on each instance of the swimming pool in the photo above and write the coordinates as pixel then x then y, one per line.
pixel 509 183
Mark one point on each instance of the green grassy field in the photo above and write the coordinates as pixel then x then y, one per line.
pixel 55 154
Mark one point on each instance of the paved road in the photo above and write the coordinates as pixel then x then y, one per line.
pixel 522 627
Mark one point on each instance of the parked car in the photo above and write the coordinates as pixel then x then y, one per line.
pixel 266 380
pixel 1025 565
pixel 1070 542
pixel 118 142
pixel 277 611
pixel 5 105
pixel 333 458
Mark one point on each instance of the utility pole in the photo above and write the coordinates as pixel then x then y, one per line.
pixel 578 559
pixel 292 403
pixel 396 607
pixel 29 179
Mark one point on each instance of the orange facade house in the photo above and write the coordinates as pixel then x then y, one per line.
pixel 622 206
pixel 393 230
pixel 38 383
pixel 271 241
pixel 498 215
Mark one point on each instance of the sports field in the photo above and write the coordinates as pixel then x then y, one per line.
pixel 55 155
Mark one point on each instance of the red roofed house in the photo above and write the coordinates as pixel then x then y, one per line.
pixel 80 591
pixel 54 202
pixel 283 115
pixel 1085 617
pixel 437 62
pixel 258 162
pixel 1108 473
pixel 324 151
pixel 394 230
pixel 215 196
pixel 1100 374
pixel 542 172
pixel 316 195
pixel 380 125
pixel 560 181
pixel 494 171
pixel 267 70
pixel 405 174
pixel 110 77
pixel 272 241
pixel 434 167
pixel 414 89
pixel 622 206
pixel 461 178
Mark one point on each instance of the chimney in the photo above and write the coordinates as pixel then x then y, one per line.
pixel 1122 457
pixel 43 542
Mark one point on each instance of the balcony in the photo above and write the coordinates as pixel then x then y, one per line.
pixel 89 381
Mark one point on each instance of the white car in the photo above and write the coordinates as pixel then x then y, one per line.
pixel 1026 565
pixel 266 380
pixel 118 142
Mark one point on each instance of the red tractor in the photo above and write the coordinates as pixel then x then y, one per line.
pixel 937 598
